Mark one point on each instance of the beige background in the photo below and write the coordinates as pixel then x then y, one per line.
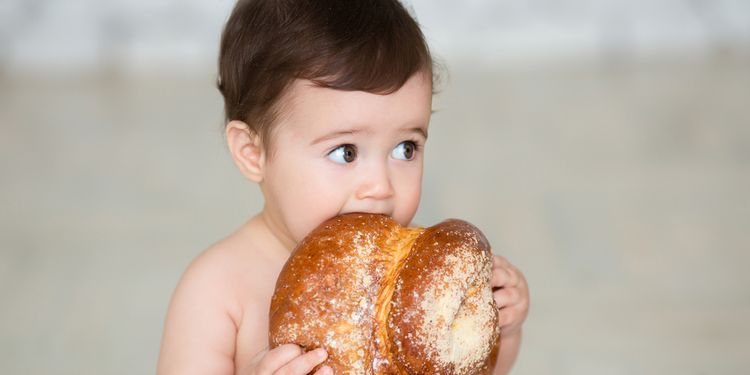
pixel 617 179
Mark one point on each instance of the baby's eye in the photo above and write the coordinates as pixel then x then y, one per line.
pixel 405 150
pixel 343 154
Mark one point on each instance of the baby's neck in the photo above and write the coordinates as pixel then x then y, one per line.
pixel 266 230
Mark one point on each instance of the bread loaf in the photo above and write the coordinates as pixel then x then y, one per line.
pixel 385 299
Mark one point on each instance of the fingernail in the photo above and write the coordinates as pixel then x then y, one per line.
pixel 326 371
pixel 321 353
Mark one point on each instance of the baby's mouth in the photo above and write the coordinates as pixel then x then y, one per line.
pixel 375 212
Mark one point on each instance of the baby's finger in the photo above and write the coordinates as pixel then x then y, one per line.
pixel 507 319
pixel 304 364
pixel 278 357
pixel 511 318
pixel 500 277
pixel 506 297
pixel 325 370
pixel 505 276
pixel 499 261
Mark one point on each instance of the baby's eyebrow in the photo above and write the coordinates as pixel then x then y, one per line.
pixel 336 134
pixel 418 130
pixel 333 135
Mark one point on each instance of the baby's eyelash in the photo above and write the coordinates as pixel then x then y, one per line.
pixel 417 144
pixel 334 148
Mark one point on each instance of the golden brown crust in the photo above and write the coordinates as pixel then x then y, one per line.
pixel 369 292
pixel 443 292
pixel 325 295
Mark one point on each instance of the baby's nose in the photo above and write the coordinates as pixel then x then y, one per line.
pixel 375 184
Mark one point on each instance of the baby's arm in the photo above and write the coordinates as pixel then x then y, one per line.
pixel 512 297
pixel 200 329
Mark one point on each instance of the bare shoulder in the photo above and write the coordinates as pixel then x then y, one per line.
pixel 202 318
pixel 212 277
pixel 207 309
pixel 218 294
pixel 240 266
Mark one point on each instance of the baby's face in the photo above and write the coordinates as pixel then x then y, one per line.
pixel 346 151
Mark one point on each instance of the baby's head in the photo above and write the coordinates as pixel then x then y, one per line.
pixel 327 106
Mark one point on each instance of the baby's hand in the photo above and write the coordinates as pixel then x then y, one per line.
pixel 288 359
pixel 511 295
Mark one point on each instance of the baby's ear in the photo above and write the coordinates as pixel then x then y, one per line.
pixel 246 149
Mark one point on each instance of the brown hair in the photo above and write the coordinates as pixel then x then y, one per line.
pixel 367 45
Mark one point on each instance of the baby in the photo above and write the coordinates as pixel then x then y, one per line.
pixel 327 105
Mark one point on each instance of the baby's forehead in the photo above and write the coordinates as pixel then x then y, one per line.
pixel 307 102
pixel 301 87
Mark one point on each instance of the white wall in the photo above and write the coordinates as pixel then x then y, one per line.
pixel 144 35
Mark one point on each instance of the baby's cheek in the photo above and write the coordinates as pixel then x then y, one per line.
pixel 407 204
pixel 310 212
pixel 304 223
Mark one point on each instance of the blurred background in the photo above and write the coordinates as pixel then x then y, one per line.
pixel 602 146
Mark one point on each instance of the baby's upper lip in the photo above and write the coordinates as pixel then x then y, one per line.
pixel 377 212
